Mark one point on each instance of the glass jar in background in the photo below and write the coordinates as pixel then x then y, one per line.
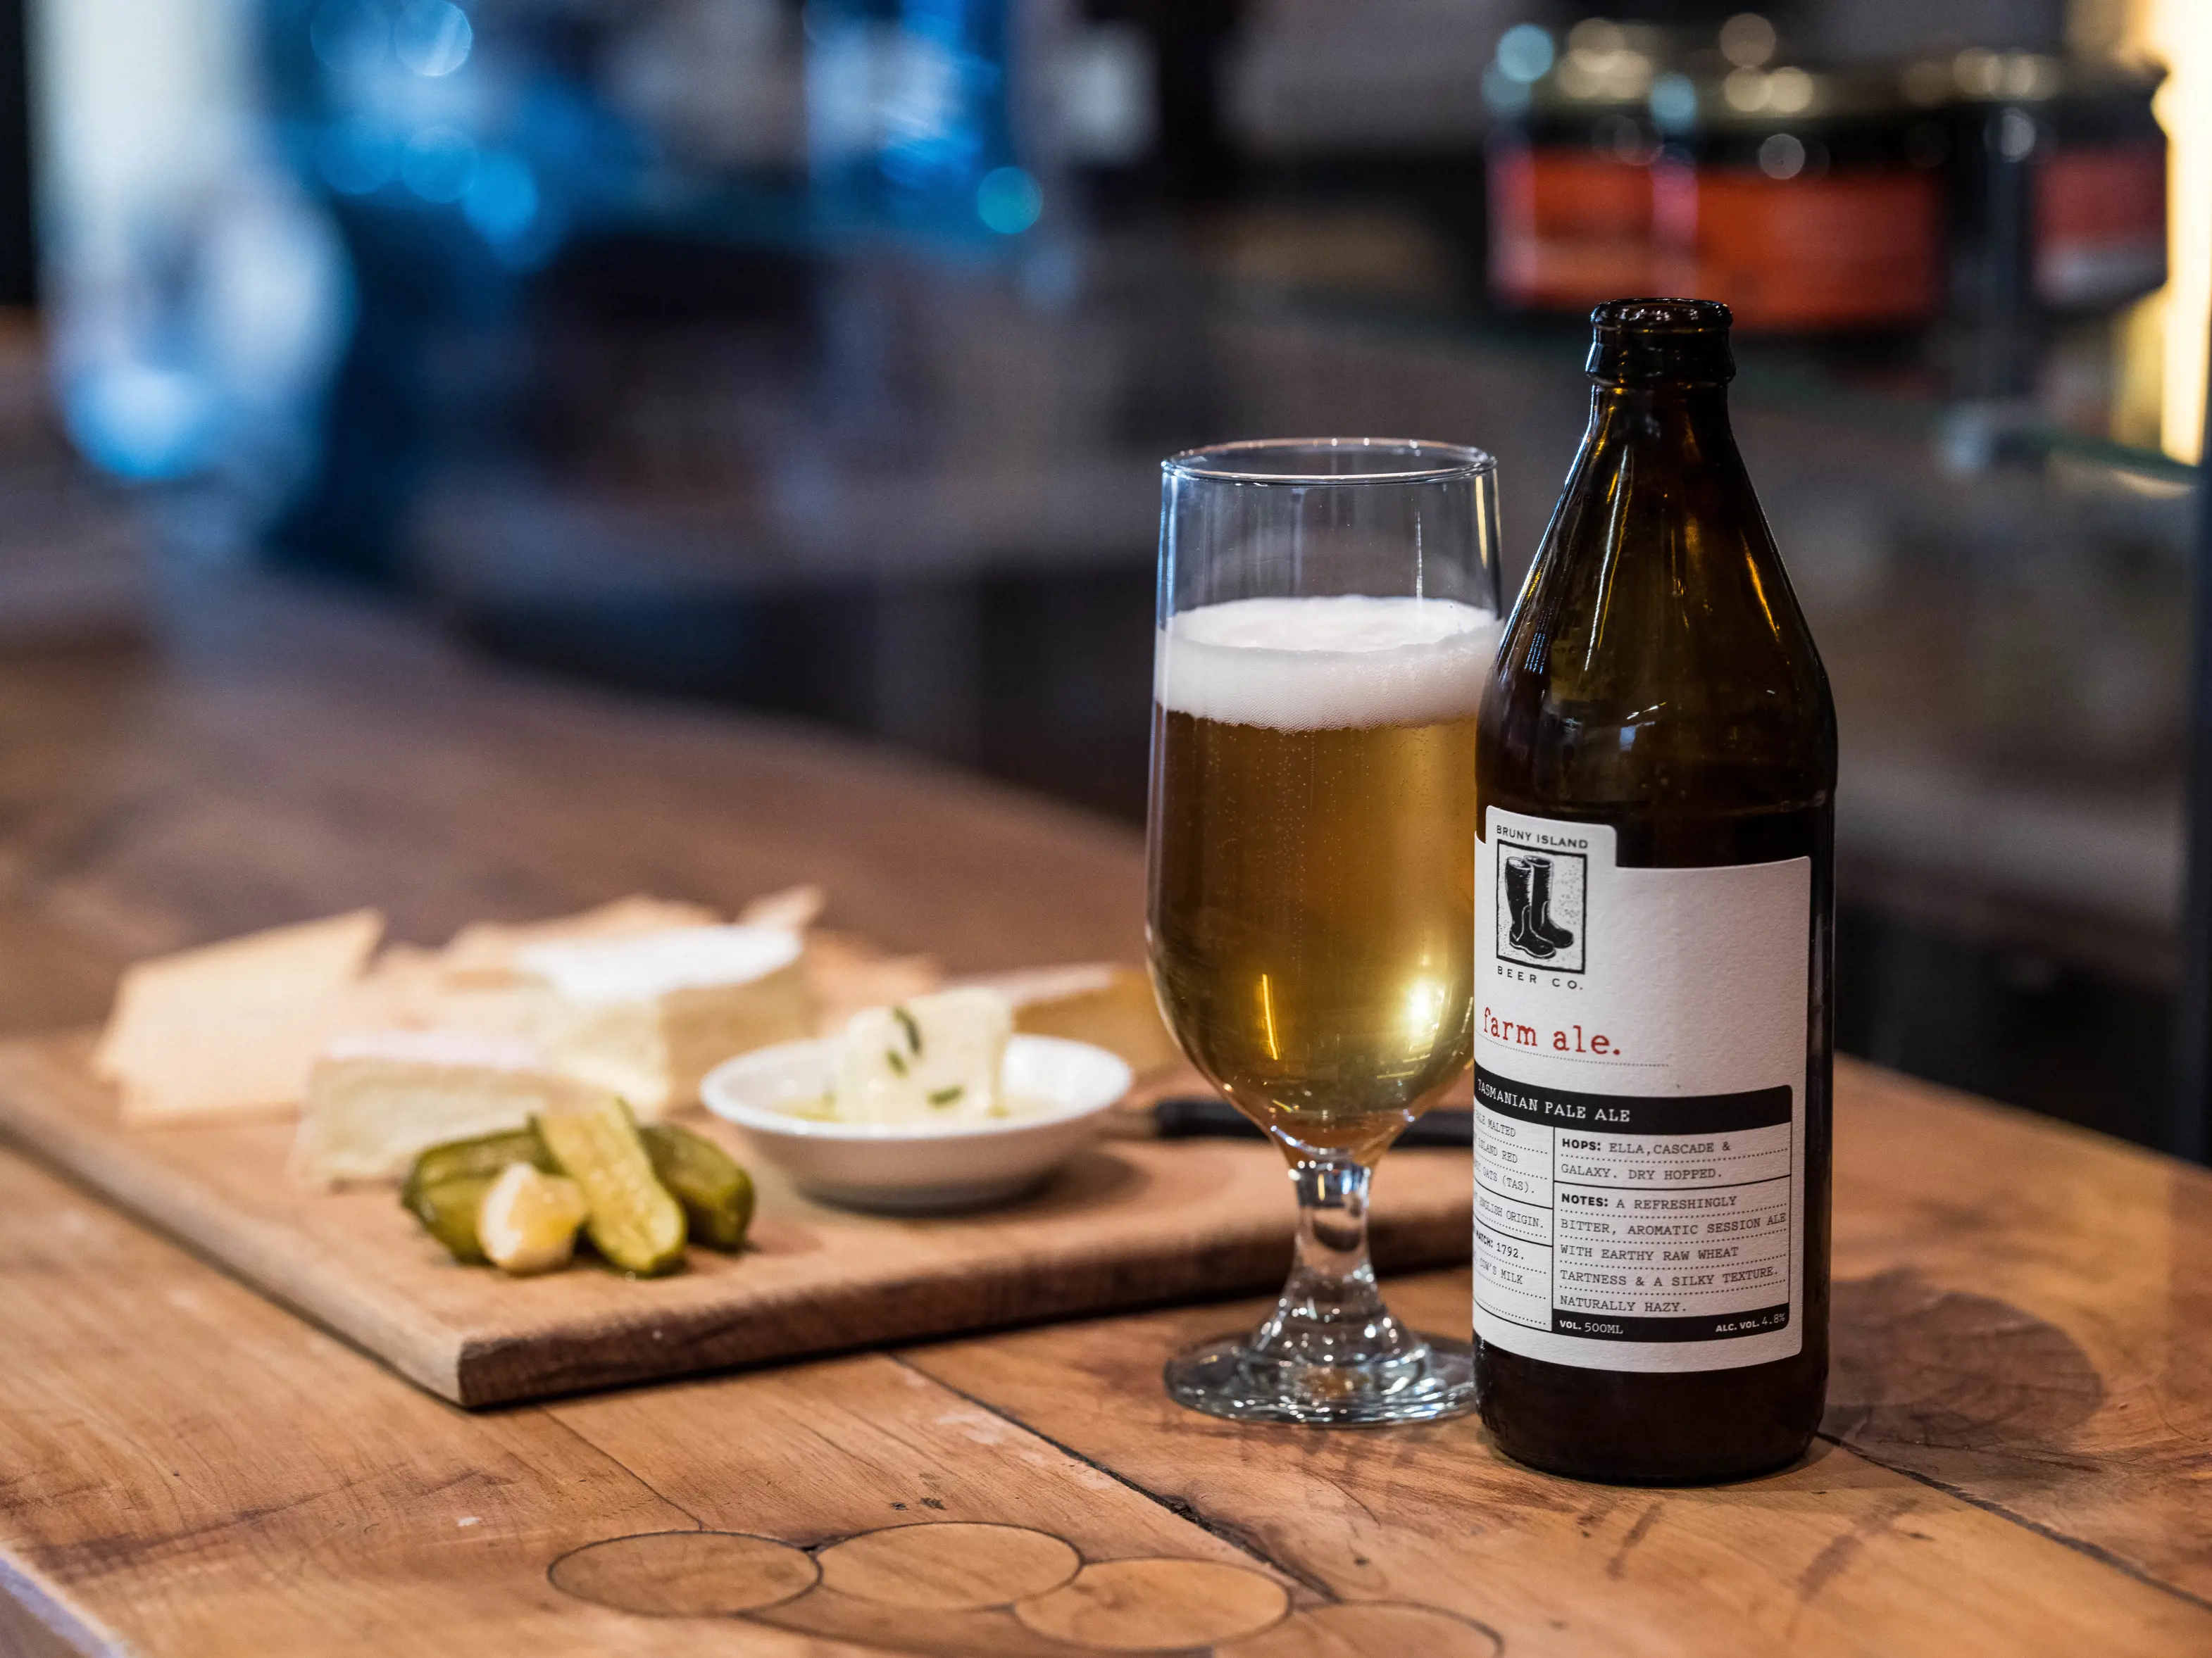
pixel 2099 194
pixel 2056 201
pixel 2061 176
pixel 1803 199
pixel 1569 161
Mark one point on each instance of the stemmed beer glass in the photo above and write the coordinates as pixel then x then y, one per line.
pixel 1328 609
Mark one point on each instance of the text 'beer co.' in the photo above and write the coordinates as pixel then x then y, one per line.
pixel 1653 898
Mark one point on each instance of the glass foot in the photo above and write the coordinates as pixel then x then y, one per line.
pixel 1430 1378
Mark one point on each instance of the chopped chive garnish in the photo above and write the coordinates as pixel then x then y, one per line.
pixel 945 1096
pixel 913 1030
pixel 896 1060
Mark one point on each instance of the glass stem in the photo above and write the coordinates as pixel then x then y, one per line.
pixel 1331 1312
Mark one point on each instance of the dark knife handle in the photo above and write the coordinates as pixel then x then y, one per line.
pixel 1187 1117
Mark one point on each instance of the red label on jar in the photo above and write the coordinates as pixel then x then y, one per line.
pixel 1568 227
pixel 1846 249
pixel 2100 224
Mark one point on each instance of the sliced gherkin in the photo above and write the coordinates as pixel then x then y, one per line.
pixel 716 1193
pixel 484 1155
pixel 633 1222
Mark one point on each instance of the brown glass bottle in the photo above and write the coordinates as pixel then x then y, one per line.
pixel 1657 679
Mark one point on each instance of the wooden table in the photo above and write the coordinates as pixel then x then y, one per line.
pixel 2017 1457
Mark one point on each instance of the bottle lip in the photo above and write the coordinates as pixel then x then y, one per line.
pixel 1310 461
pixel 1662 316
pixel 1644 342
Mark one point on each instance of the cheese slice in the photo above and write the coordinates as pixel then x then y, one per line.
pixel 648 1016
pixel 377 1100
pixel 934 1059
pixel 1102 1002
pixel 485 952
pixel 233 1026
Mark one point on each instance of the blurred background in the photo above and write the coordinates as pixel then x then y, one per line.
pixel 817 358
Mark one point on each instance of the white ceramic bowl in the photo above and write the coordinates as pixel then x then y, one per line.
pixel 923 1168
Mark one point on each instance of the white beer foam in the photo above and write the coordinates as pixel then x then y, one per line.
pixel 1326 663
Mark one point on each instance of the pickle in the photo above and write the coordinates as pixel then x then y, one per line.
pixel 448 1210
pixel 632 1220
pixel 485 1156
pixel 717 1194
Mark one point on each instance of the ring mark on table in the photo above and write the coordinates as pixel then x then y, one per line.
pixel 1140 1605
pixel 1370 1628
pixel 953 1566
pixel 995 1588
pixel 686 1573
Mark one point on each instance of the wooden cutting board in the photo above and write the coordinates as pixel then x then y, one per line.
pixel 1129 1222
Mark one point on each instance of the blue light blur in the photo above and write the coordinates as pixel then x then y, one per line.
pixel 908 118
pixel 440 164
pixel 502 199
pixel 1525 52
pixel 142 422
pixel 432 38
pixel 350 37
pixel 1673 102
pixel 358 157
pixel 1008 201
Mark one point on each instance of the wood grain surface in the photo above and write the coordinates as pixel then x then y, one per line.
pixel 285 755
pixel 2023 1373
pixel 2015 1459
pixel 788 1510
pixel 2023 1314
pixel 1126 1224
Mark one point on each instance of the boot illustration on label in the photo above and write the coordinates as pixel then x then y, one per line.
pixel 1529 907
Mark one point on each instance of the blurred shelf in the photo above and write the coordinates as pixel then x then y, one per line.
pixel 921 505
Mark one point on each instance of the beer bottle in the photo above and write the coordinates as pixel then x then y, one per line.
pixel 1655 779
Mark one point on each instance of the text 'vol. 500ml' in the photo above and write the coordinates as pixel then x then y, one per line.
pixel 1654 896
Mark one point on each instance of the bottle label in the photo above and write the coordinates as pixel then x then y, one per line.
pixel 1639 1110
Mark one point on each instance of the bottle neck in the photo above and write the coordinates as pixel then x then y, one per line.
pixel 1691 418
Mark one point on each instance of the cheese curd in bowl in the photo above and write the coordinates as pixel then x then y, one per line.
pixel 925 1106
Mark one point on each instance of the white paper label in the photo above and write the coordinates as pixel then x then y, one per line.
pixel 1639 1111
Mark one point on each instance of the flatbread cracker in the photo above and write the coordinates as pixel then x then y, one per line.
pixel 234 1028
pixel 1105 1004
pixel 408 989
pixel 794 908
pixel 849 973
